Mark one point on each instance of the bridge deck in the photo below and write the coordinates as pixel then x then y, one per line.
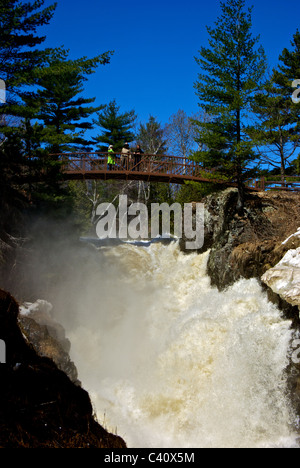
pixel 151 168
pixel 155 168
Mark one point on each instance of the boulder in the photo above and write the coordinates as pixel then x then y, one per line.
pixel 247 245
pixel 40 407
pixel 284 278
pixel 47 336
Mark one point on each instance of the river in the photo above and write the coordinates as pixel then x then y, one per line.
pixel 169 361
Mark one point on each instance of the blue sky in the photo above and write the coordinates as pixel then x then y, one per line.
pixel 153 68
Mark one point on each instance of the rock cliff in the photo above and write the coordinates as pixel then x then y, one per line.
pixel 284 278
pixel 40 406
pixel 248 245
pixel 47 336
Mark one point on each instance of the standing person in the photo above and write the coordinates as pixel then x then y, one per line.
pixel 125 156
pixel 137 158
pixel 111 160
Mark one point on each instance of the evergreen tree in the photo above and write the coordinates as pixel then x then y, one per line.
pixel 278 128
pixel 18 39
pixel 19 55
pixel 232 69
pixel 116 127
pixel 45 98
pixel 151 137
pixel 63 111
pixel 55 117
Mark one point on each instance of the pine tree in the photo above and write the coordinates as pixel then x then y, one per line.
pixel 44 97
pixel 63 111
pixel 19 55
pixel 116 127
pixel 18 39
pixel 232 69
pixel 54 117
pixel 278 130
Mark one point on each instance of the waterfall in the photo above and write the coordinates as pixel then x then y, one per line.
pixel 170 361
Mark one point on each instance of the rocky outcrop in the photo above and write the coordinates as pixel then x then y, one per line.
pixel 40 406
pixel 284 278
pixel 47 336
pixel 246 246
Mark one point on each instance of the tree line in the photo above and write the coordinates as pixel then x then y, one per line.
pixel 247 124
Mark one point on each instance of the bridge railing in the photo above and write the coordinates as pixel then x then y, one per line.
pixel 173 169
pixel 146 163
pixel 290 183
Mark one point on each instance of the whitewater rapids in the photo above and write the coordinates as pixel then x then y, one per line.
pixel 169 361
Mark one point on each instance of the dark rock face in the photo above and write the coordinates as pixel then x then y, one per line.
pixel 248 245
pixel 40 407
pixel 48 337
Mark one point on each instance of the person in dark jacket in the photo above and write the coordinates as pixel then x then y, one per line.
pixel 137 158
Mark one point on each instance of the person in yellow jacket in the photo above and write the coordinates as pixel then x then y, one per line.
pixel 111 161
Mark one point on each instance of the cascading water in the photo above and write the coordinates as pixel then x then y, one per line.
pixel 171 361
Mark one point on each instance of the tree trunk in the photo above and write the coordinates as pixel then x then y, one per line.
pixel 241 199
pixel 282 172
pixel 241 193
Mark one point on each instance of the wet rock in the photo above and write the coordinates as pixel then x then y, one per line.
pixel 47 336
pixel 246 246
pixel 40 407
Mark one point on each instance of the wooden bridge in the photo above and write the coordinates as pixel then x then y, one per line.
pixel 154 168
pixel 149 168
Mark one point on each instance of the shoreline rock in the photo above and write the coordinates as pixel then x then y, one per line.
pixel 284 278
pixel 40 407
pixel 47 336
pixel 249 245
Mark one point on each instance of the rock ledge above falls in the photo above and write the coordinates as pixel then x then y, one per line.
pixel 40 406
pixel 249 245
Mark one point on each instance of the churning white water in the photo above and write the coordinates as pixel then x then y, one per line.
pixel 171 362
